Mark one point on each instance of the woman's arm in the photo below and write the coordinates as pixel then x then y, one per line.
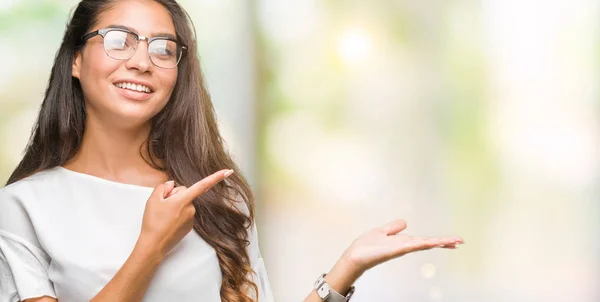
pixel 373 248
pixel 41 299
pixel 340 278
pixel 131 281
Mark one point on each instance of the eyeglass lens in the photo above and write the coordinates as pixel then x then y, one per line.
pixel 122 45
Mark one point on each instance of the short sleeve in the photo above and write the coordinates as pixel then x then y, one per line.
pixel 260 277
pixel 23 263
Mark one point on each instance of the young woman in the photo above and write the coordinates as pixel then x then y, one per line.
pixel 121 167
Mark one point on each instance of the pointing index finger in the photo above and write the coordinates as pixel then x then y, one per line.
pixel 203 185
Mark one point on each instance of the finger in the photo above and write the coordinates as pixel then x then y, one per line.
pixel 168 187
pixel 451 240
pixel 442 240
pixel 203 185
pixel 393 227
pixel 429 243
pixel 176 190
pixel 420 238
pixel 159 190
pixel 418 244
pixel 447 242
pixel 450 246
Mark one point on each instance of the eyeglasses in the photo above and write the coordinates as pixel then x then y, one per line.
pixel 121 44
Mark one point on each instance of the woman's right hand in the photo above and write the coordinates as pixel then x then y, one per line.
pixel 169 212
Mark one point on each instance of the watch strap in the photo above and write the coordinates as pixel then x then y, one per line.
pixel 327 294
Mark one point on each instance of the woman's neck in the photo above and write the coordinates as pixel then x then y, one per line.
pixel 116 154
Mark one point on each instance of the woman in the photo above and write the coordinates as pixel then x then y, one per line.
pixel 120 168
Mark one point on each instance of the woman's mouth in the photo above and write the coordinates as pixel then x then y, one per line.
pixel 132 91
pixel 133 87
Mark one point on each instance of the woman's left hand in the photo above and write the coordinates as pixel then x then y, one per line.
pixel 375 247
pixel 386 242
pixel 378 246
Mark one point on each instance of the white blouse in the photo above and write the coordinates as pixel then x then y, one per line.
pixel 65 234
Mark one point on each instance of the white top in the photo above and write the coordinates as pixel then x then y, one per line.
pixel 65 234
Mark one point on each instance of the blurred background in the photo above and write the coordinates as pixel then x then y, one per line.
pixel 471 118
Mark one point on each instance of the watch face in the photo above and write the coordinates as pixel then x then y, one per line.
pixel 323 291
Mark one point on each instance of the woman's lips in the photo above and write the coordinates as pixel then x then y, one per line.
pixel 133 95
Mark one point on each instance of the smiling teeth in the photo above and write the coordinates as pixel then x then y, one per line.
pixel 134 87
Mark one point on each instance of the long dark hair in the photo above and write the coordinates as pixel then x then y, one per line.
pixel 184 138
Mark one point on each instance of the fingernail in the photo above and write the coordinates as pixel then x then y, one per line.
pixel 228 173
pixel 170 182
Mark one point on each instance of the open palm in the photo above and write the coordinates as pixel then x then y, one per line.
pixel 385 243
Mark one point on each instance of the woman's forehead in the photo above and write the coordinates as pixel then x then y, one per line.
pixel 144 17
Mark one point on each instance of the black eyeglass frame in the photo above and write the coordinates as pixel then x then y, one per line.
pixel 102 32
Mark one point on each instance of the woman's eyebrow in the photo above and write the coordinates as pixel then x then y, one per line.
pixel 166 35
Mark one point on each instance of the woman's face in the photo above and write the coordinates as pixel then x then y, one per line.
pixel 100 74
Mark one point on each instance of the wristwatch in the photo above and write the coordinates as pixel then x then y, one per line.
pixel 327 294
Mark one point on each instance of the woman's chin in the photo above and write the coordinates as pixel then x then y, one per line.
pixel 130 119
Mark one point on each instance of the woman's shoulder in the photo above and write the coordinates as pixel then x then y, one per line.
pixel 42 183
pixel 37 179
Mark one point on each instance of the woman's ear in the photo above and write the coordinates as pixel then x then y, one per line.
pixel 76 65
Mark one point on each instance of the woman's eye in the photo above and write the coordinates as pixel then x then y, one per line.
pixel 162 51
pixel 117 44
pixel 163 48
